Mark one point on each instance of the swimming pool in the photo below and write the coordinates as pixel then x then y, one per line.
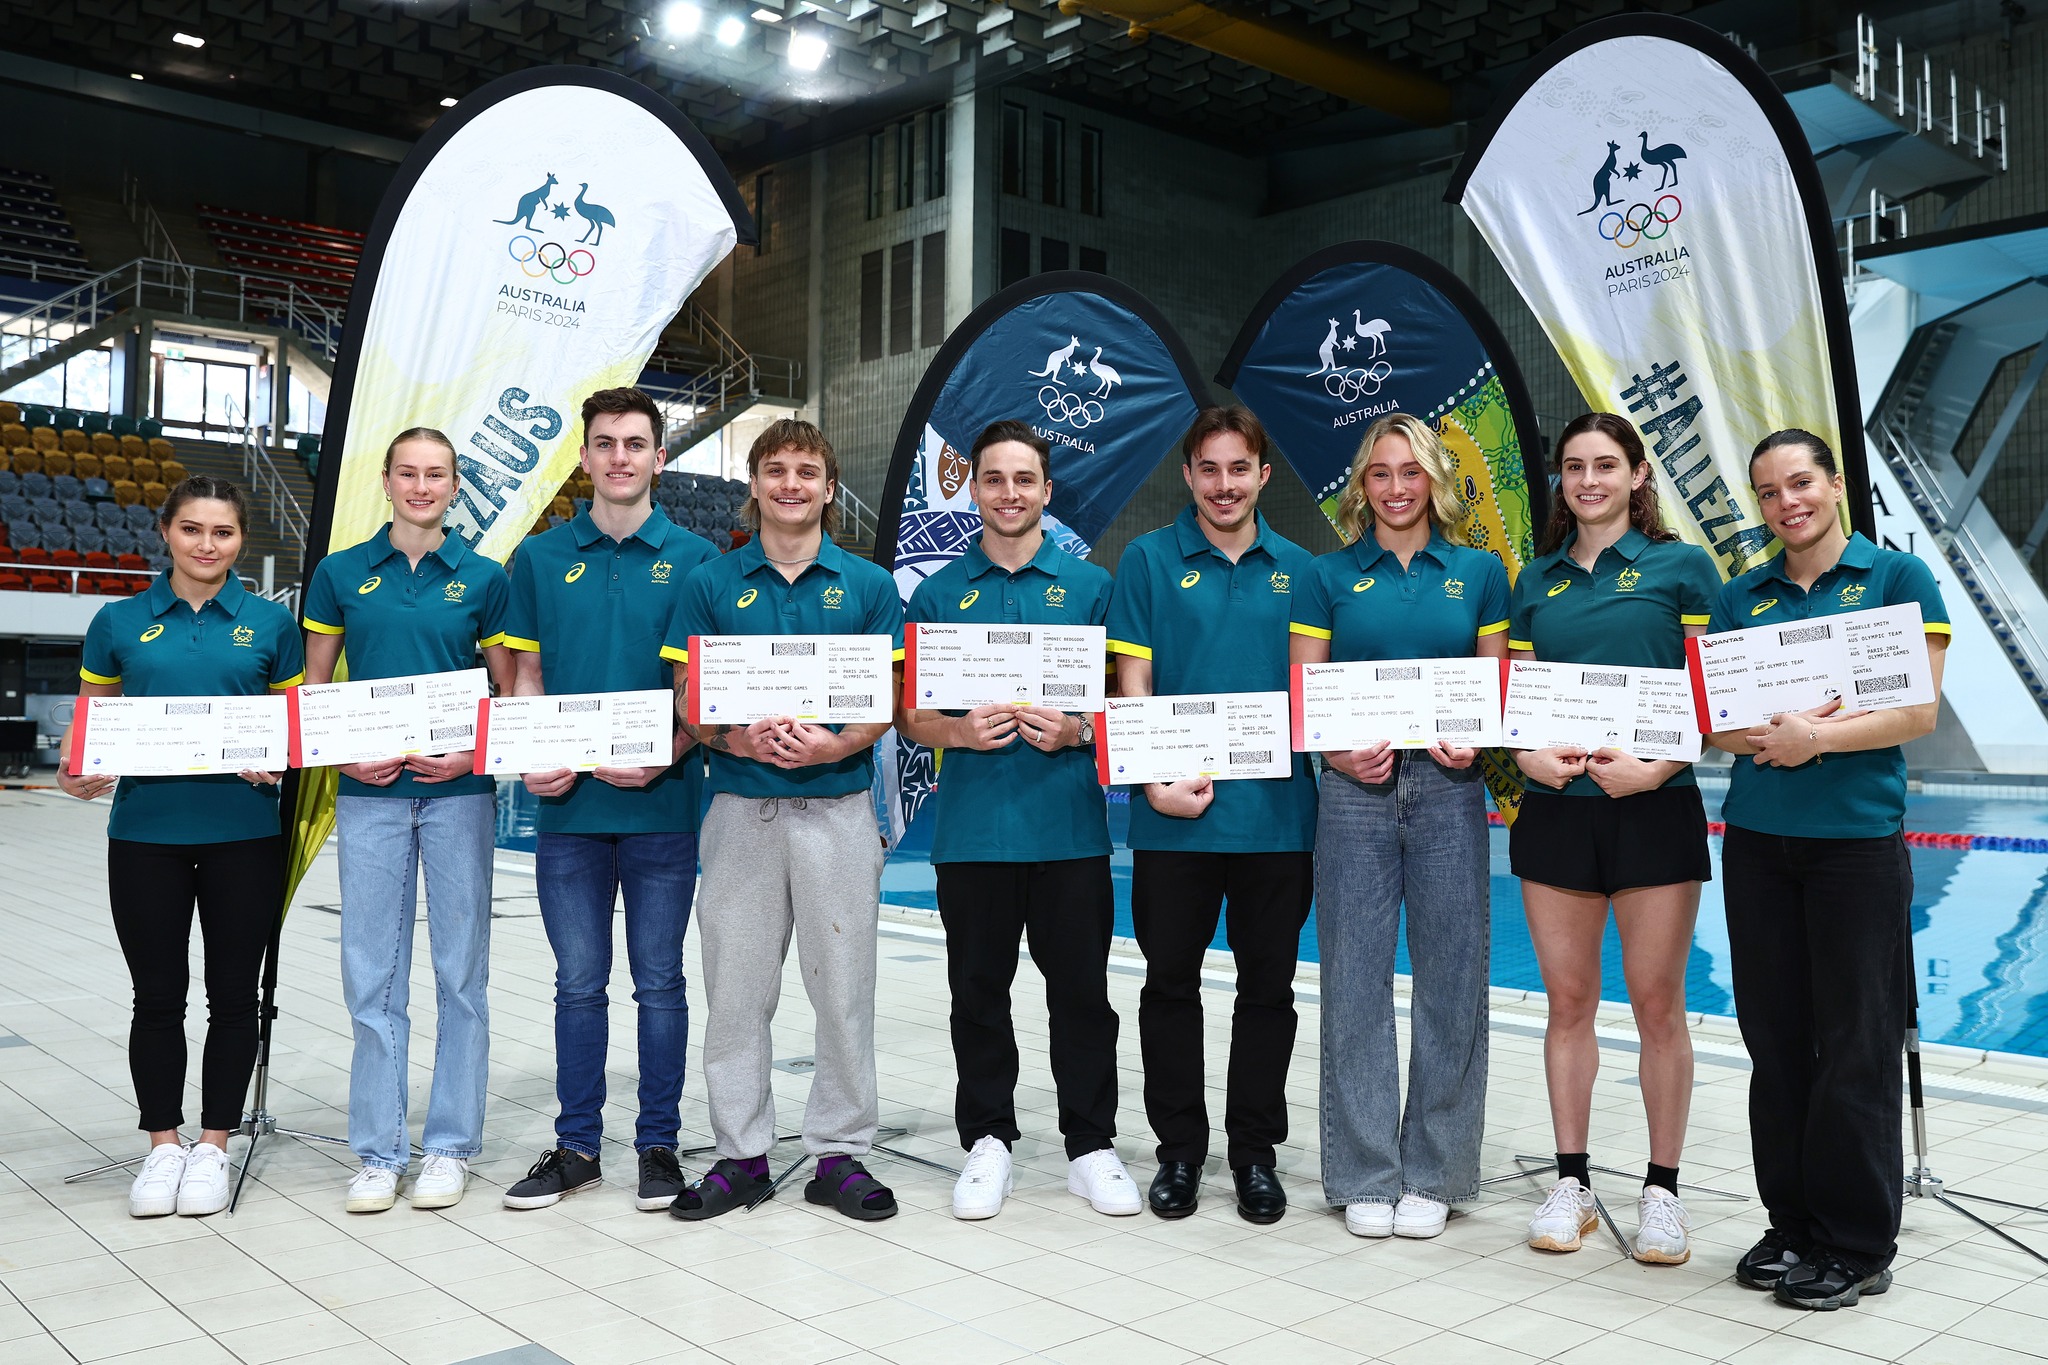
pixel 1980 914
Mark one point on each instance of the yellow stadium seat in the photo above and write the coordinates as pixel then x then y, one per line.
pixel 144 470
pixel 9 412
pixel 114 468
pixel 74 440
pixel 126 492
pixel 155 494
pixel 86 466
pixel 133 445
pixel 161 449
pixel 105 443
pixel 13 434
pixel 27 460
pixel 43 438
pixel 172 472
pixel 56 462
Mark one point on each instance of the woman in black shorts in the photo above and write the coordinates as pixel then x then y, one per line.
pixel 1611 586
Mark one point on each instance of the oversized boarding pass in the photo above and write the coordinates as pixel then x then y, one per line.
pixel 1410 703
pixel 180 736
pixel 369 719
pixel 958 666
pixel 1866 660
pixel 818 679
pixel 579 731
pixel 1217 735
pixel 1644 712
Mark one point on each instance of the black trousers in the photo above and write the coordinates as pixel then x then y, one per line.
pixel 1175 901
pixel 152 888
pixel 1817 940
pixel 1065 910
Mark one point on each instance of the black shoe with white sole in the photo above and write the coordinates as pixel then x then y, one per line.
pixel 1764 1264
pixel 1824 1282
pixel 557 1173
pixel 661 1180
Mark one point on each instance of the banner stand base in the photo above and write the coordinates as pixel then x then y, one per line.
pixel 1529 1167
pixel 1922 1182
pixel 259 1123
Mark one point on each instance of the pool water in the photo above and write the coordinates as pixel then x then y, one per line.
pixel 1980 916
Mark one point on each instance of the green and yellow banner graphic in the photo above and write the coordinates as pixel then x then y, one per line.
pixel 530 250
pixel 1654 200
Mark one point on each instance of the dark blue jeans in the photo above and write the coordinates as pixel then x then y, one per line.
pixel 579 879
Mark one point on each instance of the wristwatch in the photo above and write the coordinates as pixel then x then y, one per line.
pixel 1087 732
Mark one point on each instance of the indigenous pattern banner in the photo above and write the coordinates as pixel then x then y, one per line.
pixel 1653 198
pixel 530 250
pixel 1095 370
pixel 1363 329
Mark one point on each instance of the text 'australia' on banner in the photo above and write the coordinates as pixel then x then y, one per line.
pixel 1088 364
pixel 1654 200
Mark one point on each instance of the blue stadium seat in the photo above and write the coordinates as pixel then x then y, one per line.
pixel 100 491
pixel 13 507
pixel 159 561
pixel 89 539
pixel 48 511
pixel 141 518
pixel 110 514
pixel 66 486
pixel 10 483
pixel 36 485
pixel 120 540
pixel 24 535
pixel 79 512
pixel 56 537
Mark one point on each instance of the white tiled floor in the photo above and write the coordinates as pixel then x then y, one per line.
pixel 292 1277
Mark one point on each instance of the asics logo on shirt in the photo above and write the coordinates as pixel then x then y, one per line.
pixel 152 633
pixel 1557 588
pixel 1760 608
pixel 370 585
pixel 1362 584
pixel 746 598
pixel 575 572
pixel 1190 578
pixel 971 598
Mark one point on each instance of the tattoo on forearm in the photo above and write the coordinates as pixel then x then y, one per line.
pixel 716 737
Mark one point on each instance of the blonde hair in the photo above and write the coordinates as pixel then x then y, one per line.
pixel 1446 508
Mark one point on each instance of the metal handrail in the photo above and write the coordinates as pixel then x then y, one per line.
pixel 1916 96
pixel 862 523
pixel 156 238
pixel 260 471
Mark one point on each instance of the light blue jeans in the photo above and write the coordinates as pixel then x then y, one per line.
pixel 1419 839
pixel 384 841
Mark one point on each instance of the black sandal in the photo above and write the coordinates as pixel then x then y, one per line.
pixel 850 1189
pixel 723 1188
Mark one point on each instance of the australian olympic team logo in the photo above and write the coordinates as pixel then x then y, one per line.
pixel 1344 378
pixel 539 257
pixel 243 635
pixel 1056 596
pixel 1644 220
pixel 1064 397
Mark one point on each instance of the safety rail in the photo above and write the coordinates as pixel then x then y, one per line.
pixel 1882 221
pixel 157 242
pixel 1933 99
pixel 260 472
pixel 861 526
pixel 710 391
pixel 209 292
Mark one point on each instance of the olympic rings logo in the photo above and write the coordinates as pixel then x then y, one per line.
pixel 1070 408
pixel 1642 223
pixel 1352 385
pixel 533 260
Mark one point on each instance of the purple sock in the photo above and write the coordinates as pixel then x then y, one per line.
pixel 828 1166
pixel 754 1166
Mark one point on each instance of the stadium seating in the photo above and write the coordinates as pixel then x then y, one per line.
pixel 36 237
pixel 320 260
pixel 171 472
pixel 86 466
pixel 127 492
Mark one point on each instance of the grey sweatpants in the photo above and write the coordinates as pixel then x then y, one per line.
pixel 813 865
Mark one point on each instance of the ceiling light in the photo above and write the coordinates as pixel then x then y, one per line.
pixel 731 30
pixel 187 40
pixel 767 16
pixel 682 20
pixel 448 102
pixel 135 75
pixel 807 51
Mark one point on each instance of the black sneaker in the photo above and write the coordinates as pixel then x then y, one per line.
pixel 1764 1264
pixel 661 1180
pixel 557 1173
pixel 1825 1282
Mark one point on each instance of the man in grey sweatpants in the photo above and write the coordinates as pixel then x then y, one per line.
pixel 790 845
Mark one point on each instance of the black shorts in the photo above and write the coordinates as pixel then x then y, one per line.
pixel 1601 845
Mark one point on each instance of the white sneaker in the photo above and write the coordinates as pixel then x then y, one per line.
pixel 1661 1236
pixel 204 1187
pixel 1417 1215
pixel 1567 1215
pixel 440 1182
pixel 985 1183
pixel 1369 1220
pixel 373 1190
pixel 1100 1178
pixel 155 1191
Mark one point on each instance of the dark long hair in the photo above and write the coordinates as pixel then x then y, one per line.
pixel 1823 458
pixel 1644 512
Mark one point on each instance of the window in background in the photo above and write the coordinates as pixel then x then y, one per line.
pixel 764 185
pixel 906 163
pixel 181 391
pixel 871 306
pixel 902 271
pixel 1052 133
pixel 1091 171
pixel 1052 254
pixel 1095 259
pixel 876 143
pixel 932 299
pixel 1015 261
pixel 1013 149
pixel 935 154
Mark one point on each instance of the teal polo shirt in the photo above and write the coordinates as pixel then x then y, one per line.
pixel 1834 796
pixel 743 594
pixel 594 609
pixel 1017 804
pixel 1632 610
pixel 1367 606
pixel 236 645
pixel 398 620
pixel 1209 625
